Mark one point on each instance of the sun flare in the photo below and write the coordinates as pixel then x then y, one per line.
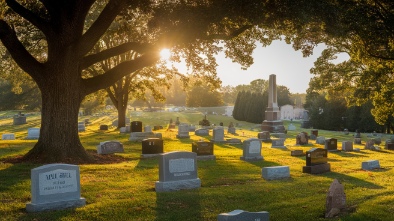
pixel 165 54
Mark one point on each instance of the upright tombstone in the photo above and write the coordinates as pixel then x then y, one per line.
pixel 110 147
pixel 336 199
pixel 264 136
pixel 272 122
pixel 136 126
pixel 177 170
pixel 81 126
pixel 231 130
pixel 139 136
pixel 241 215
pixel 183 131
pixel 389 145
pixel 369 145
pixel 147 128
pixel 278 143
pixel 202 132
pixel 291 127
pixel 19 119
pixel 305 119
pixel 33 133
pixel 252 150
pixel 55 187
pixel 8 137
pixel 152 147
pixel 204 150
pixel 302 138
pixel 347 145
pixel 316 161
pixel 315 132
pixel 103 127
pixel 218 135
pixel 321 140
pixel 357 137
pixel 346 131
pixel 331 144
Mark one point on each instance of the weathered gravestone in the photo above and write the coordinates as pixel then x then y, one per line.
pixel 357 140
pixel 241 215
pixel 345 131
pixel 315 132
pixel 331 144
pixel 139 136
pixel 125 129
pixel 321 140
pixel 316 161
pixel 370 165
pixel 264 136
pixel 275 172
pixel 55 187
pixel 377 140
pixel 202 132
pixel 218 135
pixel 81 126
pixel 33 133
pixel 204 150
pixel 291 127
pixel 109 147
pixel 336 199
pixel 231 130
pixel 389 145
pixel 19 119
pixel 252 150
pixel 192 128
pixel 302 138
pixel 347 145
pixel 152 147
pixel 103 127
pixel 177 170
pixel 297 153
pixel 183 131
pixel 147 128
pixel 8 137
pixel 136 126
pixel 369 145
pixel 278 143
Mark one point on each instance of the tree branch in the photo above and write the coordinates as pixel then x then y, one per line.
pixel 111 76
pixel 28 15
pixel 100 56
pixel 100 26
pixel 229 36
pixel 19 53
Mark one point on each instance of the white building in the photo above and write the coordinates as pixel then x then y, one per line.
pixel 288 112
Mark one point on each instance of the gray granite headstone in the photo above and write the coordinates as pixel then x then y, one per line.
pixel 321 140
pixel 55 187
pixel 241 215
pixel 8 137
pixel 218 135
pixel 81 126
pixel 357 140
pixel 370 165
pixel 202 132
pixel 19 119
pixel 347 145
pixel 291 127
pixel 33 133
pixel 139 136
pixel 275 172
pixel 183 131
pixel 177 170
pixel 231 130
pixel 369 145
pixel 147 128
pixel 109 147
pixel 278 143
pixel 252 150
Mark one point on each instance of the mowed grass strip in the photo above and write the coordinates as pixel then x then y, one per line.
pixel 125 190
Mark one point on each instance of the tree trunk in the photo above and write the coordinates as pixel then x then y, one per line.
pixel 122 115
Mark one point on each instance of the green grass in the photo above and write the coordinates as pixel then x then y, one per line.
pixel 125 191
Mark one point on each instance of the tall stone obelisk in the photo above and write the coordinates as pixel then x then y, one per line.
pixel 272 122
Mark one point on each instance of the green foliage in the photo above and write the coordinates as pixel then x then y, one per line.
pixel 203 96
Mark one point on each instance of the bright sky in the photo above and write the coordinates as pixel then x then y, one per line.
pixel 289 66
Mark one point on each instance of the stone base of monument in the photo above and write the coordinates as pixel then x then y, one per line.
pixel 316 169
pixel 145 156
pixel 255 158
pixel 177 185
pixel 206 157
pixel 273 126
pixel 59 205
pixel 139 136
pixel 370 165
pixel 234 141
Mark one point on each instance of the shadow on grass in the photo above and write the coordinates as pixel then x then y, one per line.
pixel 343 178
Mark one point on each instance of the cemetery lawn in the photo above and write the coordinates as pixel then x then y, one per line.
pixel 122 186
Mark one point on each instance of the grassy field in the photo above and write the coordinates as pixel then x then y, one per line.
pixel 125 190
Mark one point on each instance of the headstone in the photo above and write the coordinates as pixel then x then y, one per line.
pixel 19 119
pixel 264 136
pixel 139 136
pixel 147 128
pixel 231 130
pixel 275 172
pixel 241 215
pixel 347 145
pixel 183 131
pixel 192 128
pixel 156 127
pixel 370 165
pixel 312 137
pixel 272 122
pixel 201 132
pixel 357 134
pixel 55 187
pixel 123 130
pixel 234 141
pixel 389 145
pixel 87 122
pixel 369 145
pixel 278 143
pixel 346 131
pixel 357 140
pixel 305 119
pixel 278 135
pixel 302 138
pixel 109 147
pixel 315 132
pixel 291 127
pixel 316 161
pixel 377 140
pixel 331 144
pixel 177 170
pixel 204 150
pixel 177 122
pixel 81 126
pixel 152 147
pixel 336 199
pixel 8 137
pixel 33 133
pixel 321 140
pixel 103 127
pixel 218 135
pixel 252 150
pixel 136 126
pixel 297 153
